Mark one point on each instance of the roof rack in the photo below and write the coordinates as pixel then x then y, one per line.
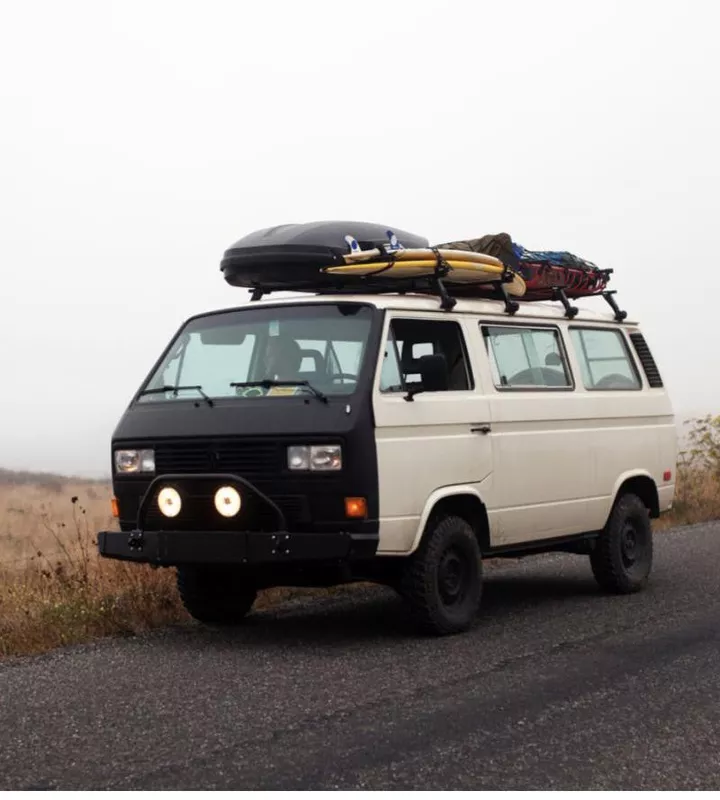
pixel 437 285
pixel 310 257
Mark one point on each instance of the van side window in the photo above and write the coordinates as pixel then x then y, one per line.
pixel 526 358
pixel 405 362
pixel 604 359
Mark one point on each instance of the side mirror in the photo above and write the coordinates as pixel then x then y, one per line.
pixel 434 375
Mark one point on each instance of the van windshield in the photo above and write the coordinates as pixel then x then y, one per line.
pixel 261 352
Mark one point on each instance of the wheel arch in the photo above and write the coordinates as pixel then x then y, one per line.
pixel 462 501
pixel 642 484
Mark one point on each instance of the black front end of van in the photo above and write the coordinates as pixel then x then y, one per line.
pixel 260 475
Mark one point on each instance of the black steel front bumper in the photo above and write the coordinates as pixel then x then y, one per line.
pixel 170 548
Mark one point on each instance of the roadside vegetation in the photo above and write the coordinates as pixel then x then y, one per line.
pixel 697 496
pixel 54 590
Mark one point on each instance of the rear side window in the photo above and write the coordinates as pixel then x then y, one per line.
pixel 527 358
pixel 605 362
pixel 411 339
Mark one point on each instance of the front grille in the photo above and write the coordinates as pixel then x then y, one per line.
pixel 261 462
pixel 246 458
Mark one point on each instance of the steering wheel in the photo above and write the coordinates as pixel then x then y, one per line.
pixel 615 381
pixel 548 375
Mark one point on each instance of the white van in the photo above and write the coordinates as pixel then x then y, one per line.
pixel 414 442
pixel 407 412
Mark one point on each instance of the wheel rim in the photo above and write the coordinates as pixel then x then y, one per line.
pixel 453 578
pixel 634 549
pixel 629 545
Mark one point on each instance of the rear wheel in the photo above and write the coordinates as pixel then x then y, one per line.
pixel 215 595
pixel 622 558
pixel 442 581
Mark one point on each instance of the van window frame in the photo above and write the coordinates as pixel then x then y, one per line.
pixel 483 324
pixel 620 332
pixel 389 337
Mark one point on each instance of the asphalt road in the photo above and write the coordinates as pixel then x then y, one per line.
pixel 558 686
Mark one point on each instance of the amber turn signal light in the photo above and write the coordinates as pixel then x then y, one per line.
pixel 115 507
pixel 355 507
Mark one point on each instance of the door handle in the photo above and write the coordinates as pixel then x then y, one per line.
pixel 481 429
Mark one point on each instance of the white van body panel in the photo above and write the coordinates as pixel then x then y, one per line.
pixel 570 453
pixel 423 447
pixel 554 459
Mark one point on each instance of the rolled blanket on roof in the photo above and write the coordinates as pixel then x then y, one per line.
pixel 542 270
pixel 499 245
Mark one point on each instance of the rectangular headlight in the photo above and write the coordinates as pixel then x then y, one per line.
pixel 128 462
pixel 326 458
pixel 298 457
pixel 316 458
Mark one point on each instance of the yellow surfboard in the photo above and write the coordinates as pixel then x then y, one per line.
pixel 414 254
pixel 465 272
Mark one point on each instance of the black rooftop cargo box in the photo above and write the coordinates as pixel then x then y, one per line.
pixel 290 256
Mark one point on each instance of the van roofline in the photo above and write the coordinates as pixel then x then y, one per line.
pixel 535 309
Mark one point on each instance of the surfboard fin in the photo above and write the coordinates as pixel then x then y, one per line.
pixel 393 243
pixel 353 244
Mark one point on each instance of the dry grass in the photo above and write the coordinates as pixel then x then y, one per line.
pixel 697 493
pixel 55 590
pixel 41 518
pixel 697 499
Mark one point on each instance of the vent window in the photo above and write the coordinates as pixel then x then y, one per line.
pixel 647 360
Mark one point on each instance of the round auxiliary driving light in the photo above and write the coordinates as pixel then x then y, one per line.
pixel 169 502
pixel 227 501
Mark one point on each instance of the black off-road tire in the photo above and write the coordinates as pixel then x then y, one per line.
pixel 442 581
pixel 215 595
pixel 622 558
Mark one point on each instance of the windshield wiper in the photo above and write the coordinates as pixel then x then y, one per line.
pixel 268 384
pixel 176 389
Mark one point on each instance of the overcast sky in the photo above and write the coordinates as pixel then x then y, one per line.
pixel 141 139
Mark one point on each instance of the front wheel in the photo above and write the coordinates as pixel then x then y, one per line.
pixel 622 557
pixel 442 581
pixel 215 595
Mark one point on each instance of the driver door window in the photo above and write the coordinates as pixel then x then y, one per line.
pixel 411 339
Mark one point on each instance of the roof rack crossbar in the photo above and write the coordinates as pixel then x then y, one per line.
pixel 447 303
pixel 501 293
pixel 620 315
pixel 559 294
pixel 435 285
pixel 257 293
